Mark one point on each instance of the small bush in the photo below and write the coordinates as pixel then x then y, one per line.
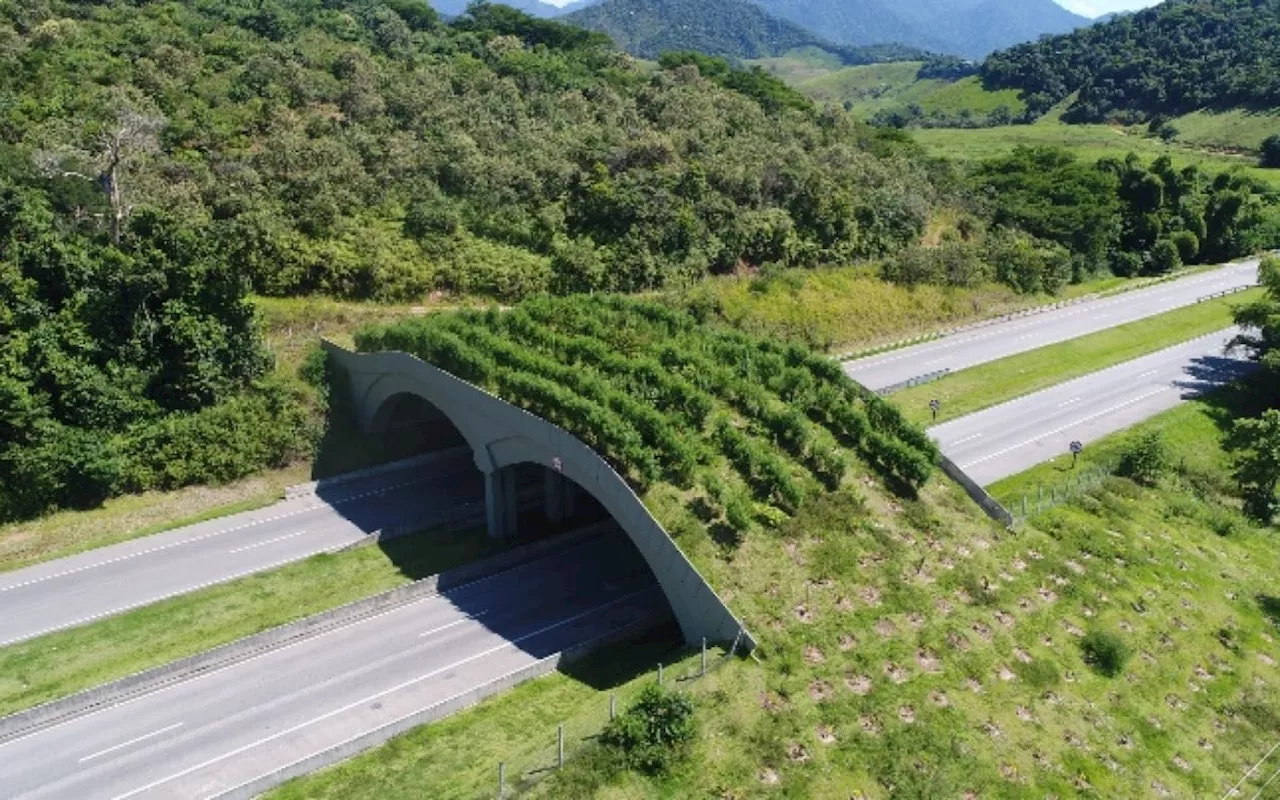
pixel 654 732
pixel 1039 674
pixel 1145 458
pixel 1105 652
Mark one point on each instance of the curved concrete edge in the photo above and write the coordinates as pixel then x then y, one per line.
pixel 503 435
pixel 147 681
pixel 452 705
pixel 989 504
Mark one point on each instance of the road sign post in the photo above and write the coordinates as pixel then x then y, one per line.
pixel 934 406
pixel 1076 449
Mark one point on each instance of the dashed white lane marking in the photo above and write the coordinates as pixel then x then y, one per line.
pixel 1068 426
pixel 192 540
pixel 383 693
pixel 265 542
pixel 1070 402
pixel 1147 373
pixel 966 439
pixel 151 735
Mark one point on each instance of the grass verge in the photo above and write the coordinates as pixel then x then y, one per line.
pixel 122 518
pixel 62 663
pixel 989 384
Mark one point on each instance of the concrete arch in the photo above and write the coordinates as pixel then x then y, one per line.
pixel 502 435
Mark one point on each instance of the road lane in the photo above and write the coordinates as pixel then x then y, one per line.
pixel 228 727
pixel 1009 438
pixel 72 591
pixel 992 342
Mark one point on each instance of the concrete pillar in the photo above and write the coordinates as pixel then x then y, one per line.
pixel 570 495
pixel 553 495
pixel 494 504
pixel 510 501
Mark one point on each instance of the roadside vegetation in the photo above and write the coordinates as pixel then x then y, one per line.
pixel 980 387
pixel 1125 644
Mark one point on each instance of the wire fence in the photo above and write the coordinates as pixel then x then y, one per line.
pixel 913 382
pixel 1047 496
pixel 550 750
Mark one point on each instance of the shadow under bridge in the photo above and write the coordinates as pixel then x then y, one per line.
pixel 518 453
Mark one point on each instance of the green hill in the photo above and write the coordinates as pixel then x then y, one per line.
pixel 1175 58
pixel 732 28
pixel 867 90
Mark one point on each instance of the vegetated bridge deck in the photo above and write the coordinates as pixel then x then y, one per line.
pixel 646 410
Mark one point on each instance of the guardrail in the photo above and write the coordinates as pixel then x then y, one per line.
pixel 1225 292
pixel 912 382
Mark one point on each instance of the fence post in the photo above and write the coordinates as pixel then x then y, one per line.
pixel 1024 506
pixel 659 673
pixel 613 706
pixel 502 778
pixel 560 746
pixel 704 656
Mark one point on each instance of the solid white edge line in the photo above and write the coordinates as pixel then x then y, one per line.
pixel 290 646
pixel 142 738
pixel 318 507
pixel 1068 426
pixel 383 693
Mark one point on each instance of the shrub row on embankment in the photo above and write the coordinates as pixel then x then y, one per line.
pixel 752 423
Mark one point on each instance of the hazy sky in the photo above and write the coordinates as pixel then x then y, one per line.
pixel 1093 8
pixel 1089 8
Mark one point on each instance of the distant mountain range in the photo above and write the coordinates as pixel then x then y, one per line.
pixel 735 28
pixel 967 28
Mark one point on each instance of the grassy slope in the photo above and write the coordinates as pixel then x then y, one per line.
pixel 911 649
pixel 848 308
pixel 989 384
pixel 62 663
pixel 1089 141
pixel 1236 130
pixel 876 87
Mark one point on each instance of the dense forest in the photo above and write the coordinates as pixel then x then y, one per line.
pixel 363 151
pixel 1171 59
pixel 731 28
pixel 161 162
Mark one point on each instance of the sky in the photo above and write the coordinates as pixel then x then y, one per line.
pixel 1094 8
pixel 1088 8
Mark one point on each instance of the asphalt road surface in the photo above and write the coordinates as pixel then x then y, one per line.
pixel 1007 439
pixel 106 581
pixel 213 733
pixel 991 342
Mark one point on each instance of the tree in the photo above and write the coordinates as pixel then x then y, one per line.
pixel 1271 151
pixel 1261 320
pixel 1145 458
pixel 129 137
pixel 1257 463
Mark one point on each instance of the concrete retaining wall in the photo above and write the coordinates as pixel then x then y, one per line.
pixel 310 488
pixel 988 503
pixel 147 681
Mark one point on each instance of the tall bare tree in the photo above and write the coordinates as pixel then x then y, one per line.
pixel 119 148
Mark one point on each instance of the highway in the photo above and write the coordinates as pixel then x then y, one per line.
pixel 1009 438
pixel 998 340
pixel 221 730
pixel 106 581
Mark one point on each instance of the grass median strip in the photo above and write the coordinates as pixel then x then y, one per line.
pixel 987 385
pixel 62 663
